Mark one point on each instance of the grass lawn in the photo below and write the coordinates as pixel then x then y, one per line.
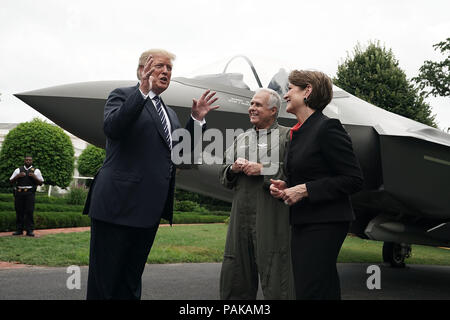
pixel 192 243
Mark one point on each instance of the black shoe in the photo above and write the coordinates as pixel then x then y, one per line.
pixel 30 234
pixel 17 233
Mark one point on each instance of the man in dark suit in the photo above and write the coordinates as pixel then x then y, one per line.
pixel 134 189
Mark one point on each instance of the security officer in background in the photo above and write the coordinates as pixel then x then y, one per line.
pixel 27 178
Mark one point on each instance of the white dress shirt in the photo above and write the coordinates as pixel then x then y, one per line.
pixel 151 95
pixel 37 172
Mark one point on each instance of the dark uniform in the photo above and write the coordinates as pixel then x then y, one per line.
pixel 24 194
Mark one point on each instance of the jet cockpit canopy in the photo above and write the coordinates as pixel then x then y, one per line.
pixel 242 78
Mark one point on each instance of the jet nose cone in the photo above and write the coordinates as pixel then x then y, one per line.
pixel 72 104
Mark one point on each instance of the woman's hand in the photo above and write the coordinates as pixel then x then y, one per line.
pixel 294 194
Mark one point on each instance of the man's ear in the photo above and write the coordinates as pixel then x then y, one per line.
pixel 274 111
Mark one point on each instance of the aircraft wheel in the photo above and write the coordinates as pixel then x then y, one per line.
pixel 396 253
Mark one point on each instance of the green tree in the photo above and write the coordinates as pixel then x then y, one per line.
pixel 50 147
pixel 436 75
pixel 90 160
pixel 373 75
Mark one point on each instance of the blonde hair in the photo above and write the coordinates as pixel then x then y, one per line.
pixel 153 52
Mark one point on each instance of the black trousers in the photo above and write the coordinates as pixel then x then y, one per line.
pixel 315 248
pixel 24 205
pixel 117 260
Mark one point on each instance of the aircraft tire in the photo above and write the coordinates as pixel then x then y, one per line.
pixel 394 254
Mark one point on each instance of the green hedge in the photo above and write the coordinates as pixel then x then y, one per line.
pixel 55 212
pixel 220 213
pixel 192 217
pixel 48 204
pixel 46 220
pixel 51 220
pixel 40 198
pixel 6 197
pixel 63 204
pixel 43 207
pixel 206 202
pixel 6 206
pixel 77 195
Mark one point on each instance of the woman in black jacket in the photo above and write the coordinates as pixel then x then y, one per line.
pixel 322 171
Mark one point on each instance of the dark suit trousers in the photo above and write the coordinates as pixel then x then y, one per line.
pixel 24 205
pixel 117 260
pixel 315 248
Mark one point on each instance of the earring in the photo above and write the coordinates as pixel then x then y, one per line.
pixel 305 100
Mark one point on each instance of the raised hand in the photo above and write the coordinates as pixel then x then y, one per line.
pixel 202 106
pixel 146 76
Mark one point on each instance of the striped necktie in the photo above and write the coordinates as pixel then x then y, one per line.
pixel 162 117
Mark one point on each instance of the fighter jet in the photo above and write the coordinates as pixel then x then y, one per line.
pixel 406 164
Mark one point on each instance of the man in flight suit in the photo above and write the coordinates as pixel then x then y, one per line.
pixel 258 241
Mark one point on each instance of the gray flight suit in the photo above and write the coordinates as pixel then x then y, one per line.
pixel 258 238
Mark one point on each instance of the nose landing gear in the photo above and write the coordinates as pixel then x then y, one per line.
pixel 396 253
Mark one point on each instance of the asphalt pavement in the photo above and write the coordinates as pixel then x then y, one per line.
pixel 200 281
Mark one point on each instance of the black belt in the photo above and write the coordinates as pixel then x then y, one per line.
pixel 24 190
